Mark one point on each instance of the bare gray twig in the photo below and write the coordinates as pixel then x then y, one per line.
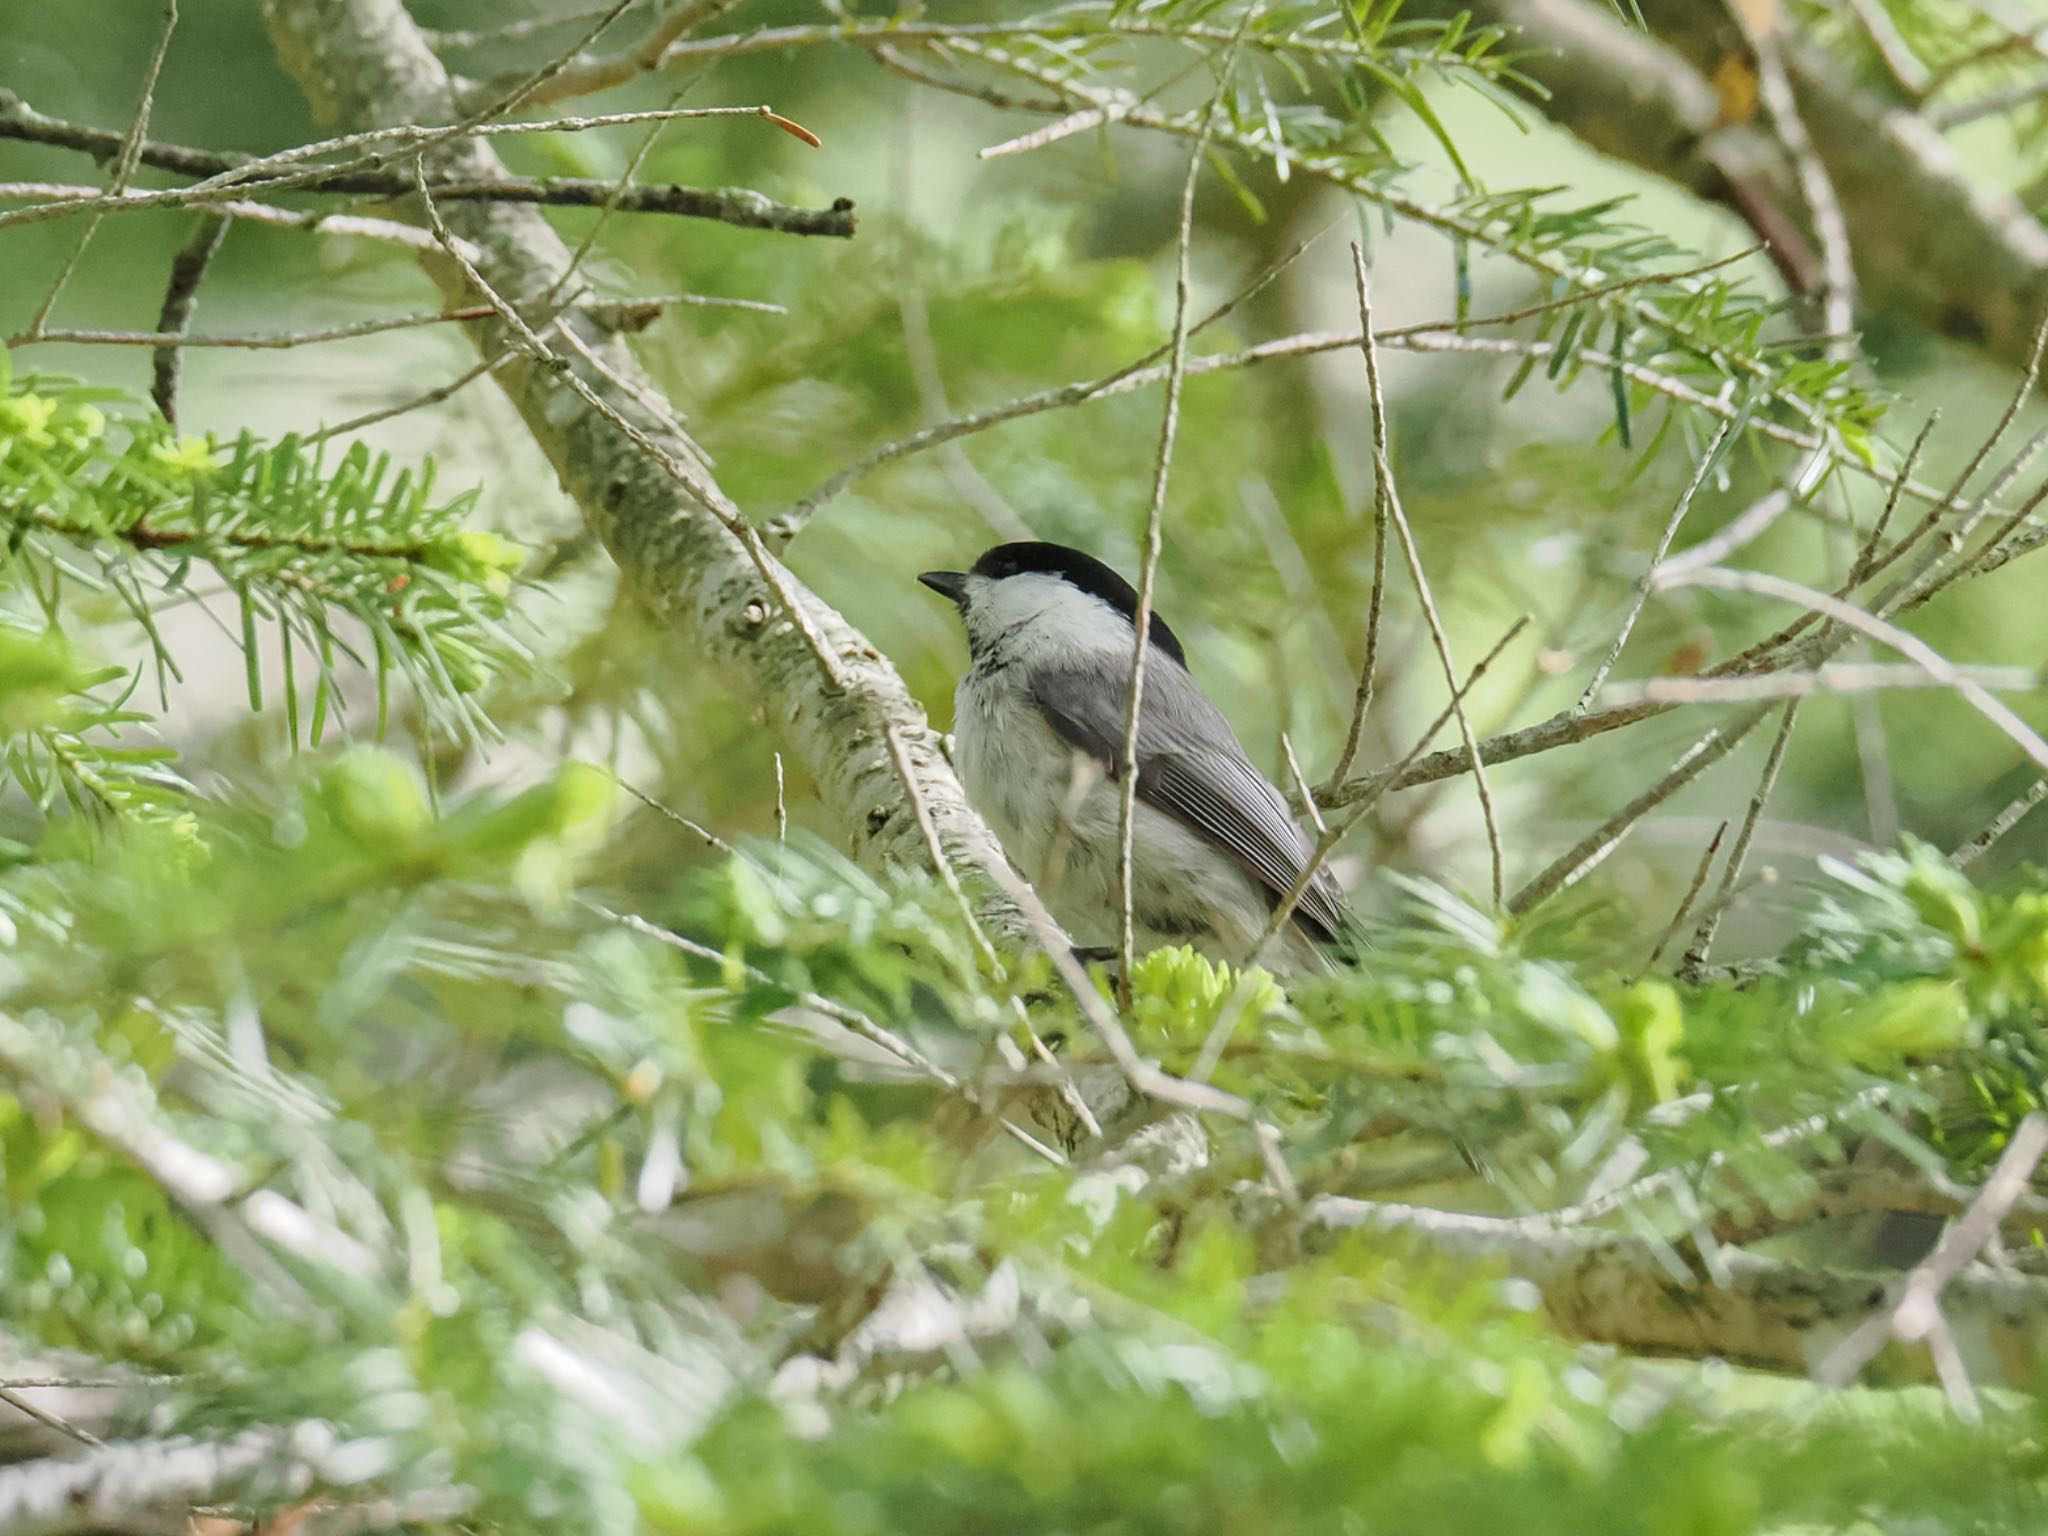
pixel 181 293
pixel 1438 637
pixel 1847 679
pixel 125 161
pixel 1577 861
pixel 1382 495
pixel 2000 824
pixel 1703 936
pixel 50 1421
pixel 1692 894
pixel 1148 568
pixel 1906 643
pixel 1643 586
pixel 230 178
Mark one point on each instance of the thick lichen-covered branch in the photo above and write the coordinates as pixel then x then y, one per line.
pixel 364 64
pixel 1930 240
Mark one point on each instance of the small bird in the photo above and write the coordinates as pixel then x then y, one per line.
pixel 1038 738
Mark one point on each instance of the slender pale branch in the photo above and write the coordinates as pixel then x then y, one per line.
pixel 1580 859
pixel 1614 1288
pixel 1148 570
pixel 1906 643
pixel 1703 937
pixel 1641 594
pixel 1439 638
pixel 1382 494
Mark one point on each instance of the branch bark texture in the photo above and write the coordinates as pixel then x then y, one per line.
pixel 1930 242
pixel 364 64
pixel 141 1485
pixel 1611 1288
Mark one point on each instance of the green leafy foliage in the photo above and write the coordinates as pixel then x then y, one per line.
pixel 350 562
pixel 356 1120
pixel 59 736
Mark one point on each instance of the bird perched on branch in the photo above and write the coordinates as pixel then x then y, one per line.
pixel 1039 728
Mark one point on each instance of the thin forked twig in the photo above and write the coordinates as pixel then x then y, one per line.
pixel 1382 495
pixel 1692 894
pixel 238 183
pixel 1859 569
pixel 2029 377
pixel 1413 556
pixel 1994 552
pixel 2000 824
pixel 124 165
pixel 373 177
pixel 1566 728
pixel 1703 936
pixel 1903 641
pixel 1641 596
pixel 740 207
pixel 1916 1313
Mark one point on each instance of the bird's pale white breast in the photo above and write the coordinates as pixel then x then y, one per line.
pixel 1055 809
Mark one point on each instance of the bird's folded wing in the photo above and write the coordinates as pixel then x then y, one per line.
pixel 1191 768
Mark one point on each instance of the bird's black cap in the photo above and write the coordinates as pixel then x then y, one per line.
pixel 1081 571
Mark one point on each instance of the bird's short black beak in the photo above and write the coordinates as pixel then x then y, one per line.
pixel 951 585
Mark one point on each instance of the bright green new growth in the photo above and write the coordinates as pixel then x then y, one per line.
pixel 348 565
